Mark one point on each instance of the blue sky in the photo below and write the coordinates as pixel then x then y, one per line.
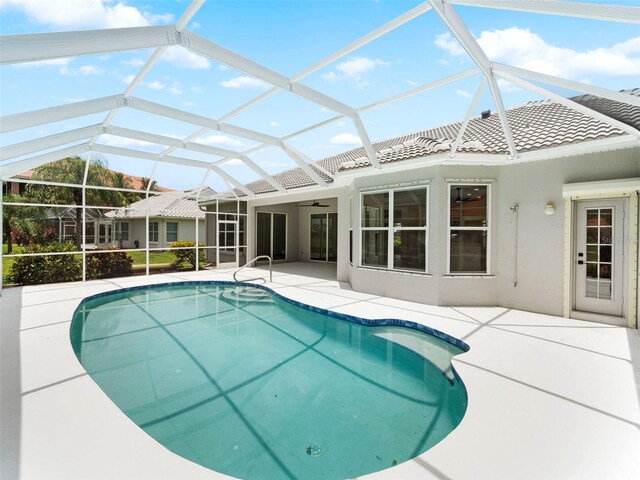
pixel 289 36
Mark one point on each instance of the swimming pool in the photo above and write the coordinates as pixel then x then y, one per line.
pixel 248 383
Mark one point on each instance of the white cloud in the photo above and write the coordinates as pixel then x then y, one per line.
pixel 234 162
pixel 188 104
pixel 355 70
pixel 181 57
pixel 195 26
pixel 156 85
pixel 507 87
pixel 128 79
pixel 198 90
pixel 446 42
pixel 442 61
pixel 463 93
pixel 412 83
pixel 134 62
pixel 86 13
pixel 244 82
pixel 522 48
pixel 345 139
pixel 84 70
pixel 220 140
pixel 175 89
pixel 223 67
pixel 274 124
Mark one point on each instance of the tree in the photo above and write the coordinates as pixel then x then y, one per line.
pixel 14 217
pixel 71 170
pixel 145 184
pixel 120 180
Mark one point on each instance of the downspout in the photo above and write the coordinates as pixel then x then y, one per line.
pixel 514 210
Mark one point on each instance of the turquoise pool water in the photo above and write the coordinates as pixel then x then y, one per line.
pixel 248 384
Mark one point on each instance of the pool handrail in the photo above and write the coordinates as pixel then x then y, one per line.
pixel 256 278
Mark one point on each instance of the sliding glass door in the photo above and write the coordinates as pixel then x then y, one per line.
pixel 323 237
pixel 271 232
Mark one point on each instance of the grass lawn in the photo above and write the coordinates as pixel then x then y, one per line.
pixel 139 258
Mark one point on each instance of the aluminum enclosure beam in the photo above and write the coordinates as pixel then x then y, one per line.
pixel 561 82
pixel 459 29
pixel 608 13
pixel 301 160
pixel 128 152
pixel 229 179
pixel 51 141
pixel 18 121
pixel 7 171
pixel 463 127
pixel 47 46
pixel 571 104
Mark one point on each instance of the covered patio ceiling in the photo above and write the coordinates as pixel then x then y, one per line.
pixel 37 47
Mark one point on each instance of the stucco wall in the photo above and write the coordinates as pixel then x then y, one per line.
pixel 541 237
pixel 186 231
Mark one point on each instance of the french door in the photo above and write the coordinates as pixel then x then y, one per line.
pixel 323 237
pixel 599 249
pixel 271 232
pixel 227 243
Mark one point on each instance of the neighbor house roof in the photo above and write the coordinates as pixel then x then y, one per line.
pixel 535 126
pixel 167 205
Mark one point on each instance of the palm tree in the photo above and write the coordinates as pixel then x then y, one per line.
pixel 13 216
pixel 120 180
pixel 71 170
pixel 145 184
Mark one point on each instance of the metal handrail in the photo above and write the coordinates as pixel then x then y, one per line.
pixel 257 278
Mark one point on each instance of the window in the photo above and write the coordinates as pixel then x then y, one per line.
pixel 124 231
pixel 153 232
pixel 468 228
pixel 172 232
pixel 394 229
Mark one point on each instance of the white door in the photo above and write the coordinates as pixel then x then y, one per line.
pixel 104 234
pixel 600 243
pixel 227 243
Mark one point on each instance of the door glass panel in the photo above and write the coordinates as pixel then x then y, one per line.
pixel 599 248
pixel 263 244
pixel 318 237
pixel 279 236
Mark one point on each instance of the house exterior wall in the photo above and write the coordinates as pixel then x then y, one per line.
pixel 186 231
pixel 540 267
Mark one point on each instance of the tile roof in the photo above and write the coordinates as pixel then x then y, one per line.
pixel 534 125
pixel 167 204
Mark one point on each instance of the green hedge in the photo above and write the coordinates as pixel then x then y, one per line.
pixel 46 268
pixel 106 264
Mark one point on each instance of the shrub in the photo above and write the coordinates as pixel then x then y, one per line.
pixel 106 264
pixel 188 255
pixel 46 268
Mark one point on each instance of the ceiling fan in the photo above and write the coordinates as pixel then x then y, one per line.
pixel 315 204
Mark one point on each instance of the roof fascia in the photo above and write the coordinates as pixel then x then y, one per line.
pixel 459 29
pixel 609 13
pixel 46 46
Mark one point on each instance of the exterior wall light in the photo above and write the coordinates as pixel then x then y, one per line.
pixel 550 209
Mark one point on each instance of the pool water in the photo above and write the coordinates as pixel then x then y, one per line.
pixel 243 382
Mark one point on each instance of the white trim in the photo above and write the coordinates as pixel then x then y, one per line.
pixel 606 188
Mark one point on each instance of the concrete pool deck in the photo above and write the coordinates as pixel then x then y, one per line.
pixel 549 398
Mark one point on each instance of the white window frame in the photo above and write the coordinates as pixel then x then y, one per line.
pixel 487 227
pixel 166 232
pixel 391 229
pixel 122 231
pixel 156 232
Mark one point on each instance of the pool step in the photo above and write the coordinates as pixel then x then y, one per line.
pixel 247 294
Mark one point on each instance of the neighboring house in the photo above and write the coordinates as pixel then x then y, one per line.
pixel 171 218
pixel 553 230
